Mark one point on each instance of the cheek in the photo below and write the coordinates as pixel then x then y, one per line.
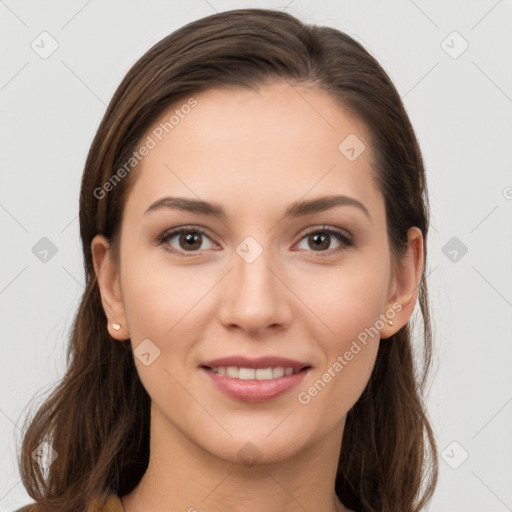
pixel 155 295
pixel 163 305
pixel 157 304
pixel 347 298
pixel 349 343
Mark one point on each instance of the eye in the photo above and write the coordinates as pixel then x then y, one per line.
pixel 321 238
pixel 188 239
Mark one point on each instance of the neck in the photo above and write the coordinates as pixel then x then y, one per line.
pixel 183 476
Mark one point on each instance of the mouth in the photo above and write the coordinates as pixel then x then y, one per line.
pixel 243 373
pixel 256 380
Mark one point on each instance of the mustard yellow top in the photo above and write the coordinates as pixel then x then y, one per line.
pixel 113 504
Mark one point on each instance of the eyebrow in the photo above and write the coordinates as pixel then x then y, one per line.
pixel 298 209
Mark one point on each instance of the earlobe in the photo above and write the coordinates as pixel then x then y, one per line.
pixel 108 283
pixel 408 273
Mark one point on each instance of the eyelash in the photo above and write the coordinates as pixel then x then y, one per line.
pixel 345 240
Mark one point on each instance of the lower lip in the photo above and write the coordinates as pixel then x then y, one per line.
pixel 254 390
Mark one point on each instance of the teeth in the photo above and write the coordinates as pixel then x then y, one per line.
pixel 253 373
pixel 263 373
pixel 247 373
pixel 232 371
pixel 278 372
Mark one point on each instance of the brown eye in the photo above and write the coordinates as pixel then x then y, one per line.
pixel 188 241
pixel 320 241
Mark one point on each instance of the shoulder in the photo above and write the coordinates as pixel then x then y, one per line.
pixel 113 504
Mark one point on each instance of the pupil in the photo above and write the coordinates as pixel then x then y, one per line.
pixel 190 238
pixel 319 237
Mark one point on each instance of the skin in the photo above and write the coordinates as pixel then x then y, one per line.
pixel 255 153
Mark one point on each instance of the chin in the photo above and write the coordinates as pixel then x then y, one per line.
pixel 256 446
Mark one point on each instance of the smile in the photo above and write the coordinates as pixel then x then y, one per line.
pixel 254 373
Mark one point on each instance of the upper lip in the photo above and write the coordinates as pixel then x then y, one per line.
pixel 260 362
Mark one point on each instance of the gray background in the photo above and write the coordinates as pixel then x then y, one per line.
pixel 460 105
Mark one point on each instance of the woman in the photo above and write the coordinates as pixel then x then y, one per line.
pixel 254 217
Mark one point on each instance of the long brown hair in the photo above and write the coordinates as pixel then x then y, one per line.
pixel 97 418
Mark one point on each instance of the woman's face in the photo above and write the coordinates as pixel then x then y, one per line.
pixel 255 282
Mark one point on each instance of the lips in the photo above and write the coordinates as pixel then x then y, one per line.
pixel 254 380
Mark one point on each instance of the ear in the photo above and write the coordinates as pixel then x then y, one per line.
pixel 107 273
pixel 405 285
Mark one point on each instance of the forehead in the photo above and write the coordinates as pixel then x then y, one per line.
pixel 277 143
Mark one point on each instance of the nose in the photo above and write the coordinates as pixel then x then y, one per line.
pixel 255 297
